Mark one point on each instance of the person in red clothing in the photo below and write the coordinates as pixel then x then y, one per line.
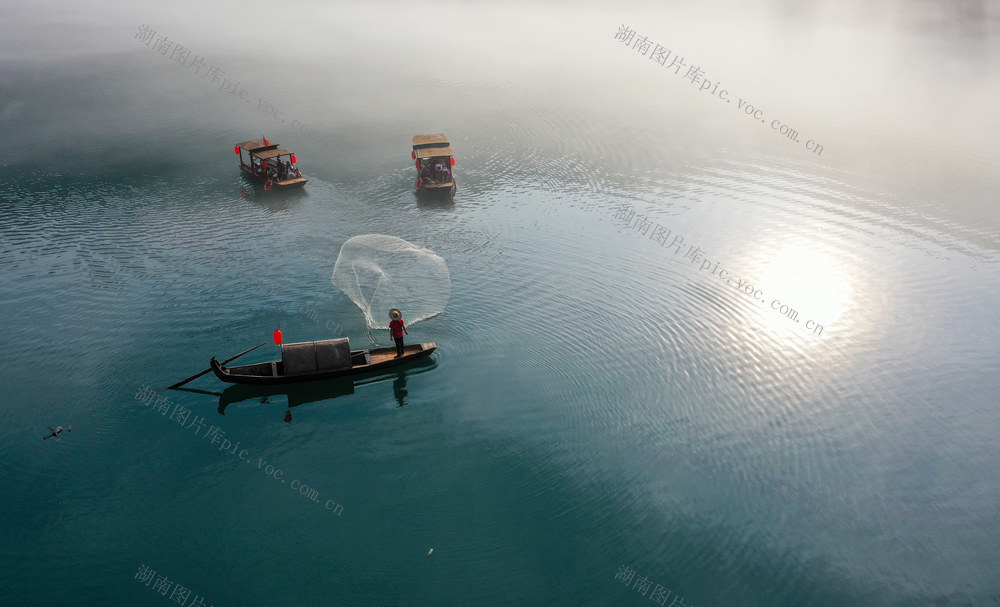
pixel 396 329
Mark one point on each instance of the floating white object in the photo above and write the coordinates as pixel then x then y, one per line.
pixel 430 552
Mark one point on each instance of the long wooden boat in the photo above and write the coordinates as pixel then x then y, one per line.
pixel 269 164
pixel 312 360
pixel 434 160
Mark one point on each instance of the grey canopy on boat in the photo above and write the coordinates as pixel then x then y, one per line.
pixel 316 356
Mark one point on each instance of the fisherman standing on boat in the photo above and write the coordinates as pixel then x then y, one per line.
pixel 396 329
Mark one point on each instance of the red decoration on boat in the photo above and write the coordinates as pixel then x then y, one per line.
pixel 418 165
pixel 277 337
pixel 264 159
pixel 452 161
pixel 413 154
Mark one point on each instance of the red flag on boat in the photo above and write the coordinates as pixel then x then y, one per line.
pixel 266 142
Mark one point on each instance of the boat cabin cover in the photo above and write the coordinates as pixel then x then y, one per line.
pixel 312 357
pixel 257 145
pixel 436 140
pixel 431 146
pixel 269 153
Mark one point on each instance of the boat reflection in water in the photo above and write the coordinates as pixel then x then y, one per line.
pixel 317 391
pixel 296 394
pixel 399 388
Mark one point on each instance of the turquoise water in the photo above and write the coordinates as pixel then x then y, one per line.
pixel 609 418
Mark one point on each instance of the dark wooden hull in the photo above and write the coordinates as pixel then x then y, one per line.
pixel 445 185
pixel 363 361
pixel 296 182
pixel 438 189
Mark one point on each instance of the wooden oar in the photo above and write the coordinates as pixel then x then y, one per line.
pixel 197 375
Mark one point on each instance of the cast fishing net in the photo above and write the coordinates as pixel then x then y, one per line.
pixel 380 272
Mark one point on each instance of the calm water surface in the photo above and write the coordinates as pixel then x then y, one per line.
pixel 685 358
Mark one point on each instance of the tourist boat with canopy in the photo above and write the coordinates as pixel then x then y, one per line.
pixel 312 360
pixel 269 164
pixel 434 160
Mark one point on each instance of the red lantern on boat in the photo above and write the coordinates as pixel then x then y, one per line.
pixel 277 337
pixel 452 161
pixel 236 149
pixel 418 165
pixel 263 165
pixel 293 158
pixel 413 154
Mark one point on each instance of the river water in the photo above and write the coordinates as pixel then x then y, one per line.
pixel 691 356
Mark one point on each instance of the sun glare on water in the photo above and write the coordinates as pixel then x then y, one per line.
pixel 805 286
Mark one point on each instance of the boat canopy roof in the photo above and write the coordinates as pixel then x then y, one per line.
pixel 316 356
pixel 434 152
pixel 268 154
pixel 257 144
pixel 436 140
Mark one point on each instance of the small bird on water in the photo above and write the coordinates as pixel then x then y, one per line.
pixel 56 432
pixel 430 552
